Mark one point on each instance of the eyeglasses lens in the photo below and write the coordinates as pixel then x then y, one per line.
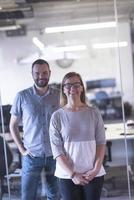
pixel 69 85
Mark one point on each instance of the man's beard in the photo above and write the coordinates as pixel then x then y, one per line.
pixel 41 82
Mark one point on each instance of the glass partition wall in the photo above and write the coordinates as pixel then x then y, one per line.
pixel 127 93
pixel 102 54
pixel 5 160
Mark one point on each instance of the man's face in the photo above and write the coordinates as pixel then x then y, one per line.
pixel 41 75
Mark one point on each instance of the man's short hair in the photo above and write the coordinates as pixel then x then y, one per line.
pixel 40 62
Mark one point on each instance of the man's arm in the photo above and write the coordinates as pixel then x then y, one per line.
pixel 14 130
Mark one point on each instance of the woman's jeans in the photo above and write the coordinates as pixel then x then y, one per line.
pixel 31 171
pixel 90 191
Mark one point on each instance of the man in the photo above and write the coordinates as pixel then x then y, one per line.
pixel 33 108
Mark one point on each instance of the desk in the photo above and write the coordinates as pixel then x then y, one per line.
pixel 114 134
pixel 8 137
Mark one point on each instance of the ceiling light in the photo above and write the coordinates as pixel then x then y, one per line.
pixel 80 27
pixel 10 27
pixel 38 43
pixel 109 45
pixel 70 48
pixel 64 62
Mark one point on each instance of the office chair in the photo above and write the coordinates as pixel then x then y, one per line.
pixel 101 97
pixel 102 100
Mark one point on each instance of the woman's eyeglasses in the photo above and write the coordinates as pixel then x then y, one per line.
pixel 69 85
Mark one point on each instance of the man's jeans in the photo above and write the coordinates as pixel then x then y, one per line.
pixel 31 171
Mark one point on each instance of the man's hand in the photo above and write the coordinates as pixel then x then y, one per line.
pixel 27 152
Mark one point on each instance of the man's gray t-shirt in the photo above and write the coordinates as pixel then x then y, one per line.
pixel 34 112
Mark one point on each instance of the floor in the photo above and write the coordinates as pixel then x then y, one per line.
pixel 113 195
pixel 107 198
pixel 116 198
pixel 110 195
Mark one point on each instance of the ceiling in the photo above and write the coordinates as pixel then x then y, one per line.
pixel 38 14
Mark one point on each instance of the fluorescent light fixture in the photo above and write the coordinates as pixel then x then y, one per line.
pixel 9 27
pixel 70 48
pixel 110 45
pixel 38 43
pixel 80 27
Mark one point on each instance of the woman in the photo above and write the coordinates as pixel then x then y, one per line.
pixel 78 143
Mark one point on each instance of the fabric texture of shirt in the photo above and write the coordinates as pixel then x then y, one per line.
pixel 76 134
pixel 34 112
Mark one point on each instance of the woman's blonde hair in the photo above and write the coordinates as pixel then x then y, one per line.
pixel 63 98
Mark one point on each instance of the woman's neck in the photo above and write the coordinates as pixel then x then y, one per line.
pixel 75 105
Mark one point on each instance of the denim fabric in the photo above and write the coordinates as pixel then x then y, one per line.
pixel 90 191
pixel 31 171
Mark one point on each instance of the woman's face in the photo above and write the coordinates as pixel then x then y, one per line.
pixel 72 87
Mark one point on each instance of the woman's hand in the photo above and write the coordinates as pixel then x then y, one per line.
pixel 79 179
pixel 89 175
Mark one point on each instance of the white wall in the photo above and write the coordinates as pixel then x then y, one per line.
pixel 91 63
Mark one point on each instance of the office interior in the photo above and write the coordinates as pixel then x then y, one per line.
pixel 94 38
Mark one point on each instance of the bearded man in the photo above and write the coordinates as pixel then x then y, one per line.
pixel 33 107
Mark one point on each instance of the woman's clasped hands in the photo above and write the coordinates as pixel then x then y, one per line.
pixel 83 178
